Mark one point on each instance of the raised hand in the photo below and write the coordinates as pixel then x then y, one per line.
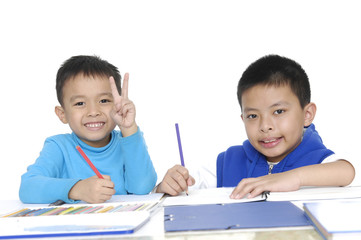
pixel 123 112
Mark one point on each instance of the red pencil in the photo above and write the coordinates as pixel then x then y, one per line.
pixel 89 162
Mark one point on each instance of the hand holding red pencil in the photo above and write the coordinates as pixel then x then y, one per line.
pixel 96 189
pixel 93 189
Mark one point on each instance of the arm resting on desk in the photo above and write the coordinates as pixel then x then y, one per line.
pixel 338 173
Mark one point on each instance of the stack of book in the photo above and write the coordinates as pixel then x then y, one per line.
pixel 336 219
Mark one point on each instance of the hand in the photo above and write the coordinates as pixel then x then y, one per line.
pixel 123 112
pixel 175 181
pixel 93 190
pixel 278 182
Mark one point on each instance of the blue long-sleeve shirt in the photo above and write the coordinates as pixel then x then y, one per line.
pixel 60 166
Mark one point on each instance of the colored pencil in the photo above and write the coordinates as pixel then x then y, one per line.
pixel 89 162
pixel 179 144
pixel 180 148
pixel 16 213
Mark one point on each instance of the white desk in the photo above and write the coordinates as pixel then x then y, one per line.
pixel 154 228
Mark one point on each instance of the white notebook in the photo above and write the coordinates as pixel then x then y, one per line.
pixel 336 219
pixel 73 225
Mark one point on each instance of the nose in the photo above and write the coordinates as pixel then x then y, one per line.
pixel 93 110
pixel 266 125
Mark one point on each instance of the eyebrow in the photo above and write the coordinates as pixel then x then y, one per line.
pixel 280 103
pixel 277 104
pixel 73 98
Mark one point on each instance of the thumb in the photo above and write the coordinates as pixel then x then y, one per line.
pixel 107 177
pixel 191 181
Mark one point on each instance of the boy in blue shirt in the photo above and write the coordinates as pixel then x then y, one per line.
pixel 283 151
pixel 88 92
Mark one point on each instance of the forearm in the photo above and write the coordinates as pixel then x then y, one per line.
pixel 338 173
pixel 140 175
pixel 41 189
pixel 128 131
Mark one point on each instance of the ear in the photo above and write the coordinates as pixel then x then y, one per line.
pixel 242 117
pixel 59 111
pixel 309 113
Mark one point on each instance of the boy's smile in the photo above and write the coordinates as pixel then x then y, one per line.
pixel 270 142
pixel 87 103
pixel 274 119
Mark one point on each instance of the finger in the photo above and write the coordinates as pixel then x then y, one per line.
pixel 105 197
pixel 191 181
pixel 118 106
pixel 180 181
pixel 235 192
pixel 243 188
pixel 107 183
pixel 256 191
pixel 107 177
pixel 108 191
pixel 127 107
pixel 113 87
pixel 125 86
pixel 167 188
pixel 181 170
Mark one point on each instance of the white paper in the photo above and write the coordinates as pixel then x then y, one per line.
pixel 207 196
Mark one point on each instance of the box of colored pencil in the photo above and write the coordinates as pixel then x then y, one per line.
pixel 83 209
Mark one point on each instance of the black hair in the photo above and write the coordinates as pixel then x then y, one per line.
pixel 274 70
pixel 87 65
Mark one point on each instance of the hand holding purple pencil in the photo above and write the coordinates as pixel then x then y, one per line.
pixel 177 178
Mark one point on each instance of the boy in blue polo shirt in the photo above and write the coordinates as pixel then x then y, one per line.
pixel 283 151
pixel 88 92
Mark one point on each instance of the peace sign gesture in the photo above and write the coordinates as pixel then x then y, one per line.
pixel 123 112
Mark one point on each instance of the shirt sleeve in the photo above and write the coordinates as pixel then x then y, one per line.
pixel 331 158
pixel 43 182
pixel 205 176
pixel 139 173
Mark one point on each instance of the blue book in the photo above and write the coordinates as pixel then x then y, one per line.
pixel 261 214
pixel 336 219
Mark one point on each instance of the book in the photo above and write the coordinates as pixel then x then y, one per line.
pixel 317 193
pixel 221 195
pixel 72 225
pixel 261 214
pixel 336 219
pixel 120 215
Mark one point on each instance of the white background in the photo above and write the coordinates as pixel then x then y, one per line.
pixel 185 59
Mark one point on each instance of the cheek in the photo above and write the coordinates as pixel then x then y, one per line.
pixel 251 130
pixel 292 128
pixel 74 116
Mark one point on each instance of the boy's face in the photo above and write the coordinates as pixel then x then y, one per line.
pixel 274 119
pixel 87 104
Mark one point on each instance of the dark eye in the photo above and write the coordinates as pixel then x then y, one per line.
pixel 104 101
pixel 279 111
pixel 251 116
pixel 79 104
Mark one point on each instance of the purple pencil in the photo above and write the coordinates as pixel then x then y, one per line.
pixel 180 148
pixel 179 145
